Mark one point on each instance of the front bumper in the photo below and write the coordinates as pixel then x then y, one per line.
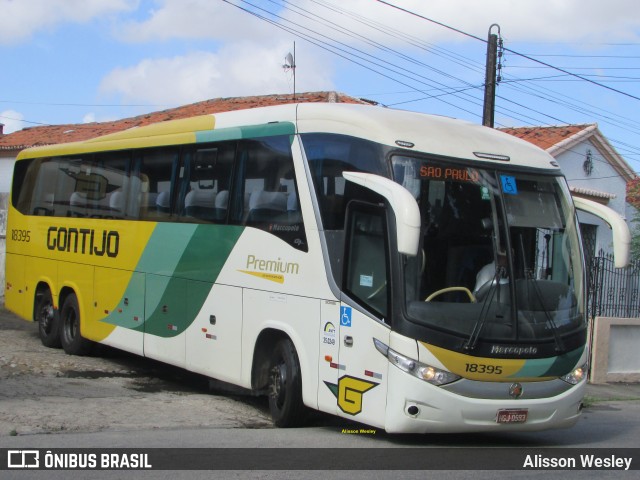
pixel 415 406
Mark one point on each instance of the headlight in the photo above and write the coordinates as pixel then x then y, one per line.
pixel 576 375
pixel 430 374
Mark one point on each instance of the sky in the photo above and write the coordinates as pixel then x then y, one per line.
pixel 563 62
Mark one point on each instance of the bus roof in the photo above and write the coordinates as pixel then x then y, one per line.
pixel 432 134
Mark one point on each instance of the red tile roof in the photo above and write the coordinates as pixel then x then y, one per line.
pixel 545 137
pixel 53 134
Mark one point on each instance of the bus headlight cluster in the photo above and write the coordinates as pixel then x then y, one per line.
pixel 430 374
pixel 576 375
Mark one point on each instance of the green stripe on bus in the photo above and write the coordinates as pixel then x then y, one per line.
pixel 165 248
pixel 550 367
pixel 251 131
pixel 207 252
pixel 565 363
pixel 202 260
pixel 181 263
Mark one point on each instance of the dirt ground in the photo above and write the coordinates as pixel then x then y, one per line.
pixel 43 390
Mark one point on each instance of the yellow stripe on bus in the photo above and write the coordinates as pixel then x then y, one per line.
pixel 477 368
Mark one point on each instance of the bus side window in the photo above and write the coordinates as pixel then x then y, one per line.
pixel 329 155
pixel 23 191
pixel 116 168
pixel 30 194
pixel 71 183
pixel 207 182
pixel 265 193
pixel 160 167
pixel 77 205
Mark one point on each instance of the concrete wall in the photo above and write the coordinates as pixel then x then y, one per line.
pixel 615 356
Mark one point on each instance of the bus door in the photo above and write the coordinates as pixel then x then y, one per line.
pixel 328 366
pixel 361 386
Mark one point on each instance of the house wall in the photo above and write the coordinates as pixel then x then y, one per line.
pixel 6 172
pixel 4 202
pixel 603 178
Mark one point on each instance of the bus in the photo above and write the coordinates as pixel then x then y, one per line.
pixel 409 272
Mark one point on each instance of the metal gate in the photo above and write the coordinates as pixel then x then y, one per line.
pixel 613 292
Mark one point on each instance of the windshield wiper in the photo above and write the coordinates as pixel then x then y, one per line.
pixel 484 313
pixel 560 347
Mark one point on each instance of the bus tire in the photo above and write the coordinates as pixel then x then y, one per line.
pixel 47 318
pixel 72 342
pixel 285 386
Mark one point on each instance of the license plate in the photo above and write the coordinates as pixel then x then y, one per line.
pixel 511 415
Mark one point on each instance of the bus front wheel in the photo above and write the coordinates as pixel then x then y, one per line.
pixel 285 386
pixel 72 342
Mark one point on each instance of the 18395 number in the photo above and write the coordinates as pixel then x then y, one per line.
pixel 18 235
pixel 482 368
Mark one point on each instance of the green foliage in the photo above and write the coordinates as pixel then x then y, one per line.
pixel 635 237
pixel 633 198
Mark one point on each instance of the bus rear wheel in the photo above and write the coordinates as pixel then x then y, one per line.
pixel 285 386
pixel 48 321
pixel 72 342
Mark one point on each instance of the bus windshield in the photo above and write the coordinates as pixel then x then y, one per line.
pixel 499 256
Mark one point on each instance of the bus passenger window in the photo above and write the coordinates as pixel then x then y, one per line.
pixel 158 171
pixel 207 182
pixel 114 167
pixel 77 205
pixel 329 155
pixel 265 192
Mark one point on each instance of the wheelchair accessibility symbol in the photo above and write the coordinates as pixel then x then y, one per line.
pixel 345 316
pixel 509 185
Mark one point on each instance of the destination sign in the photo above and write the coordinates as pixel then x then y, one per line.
pixel 449 173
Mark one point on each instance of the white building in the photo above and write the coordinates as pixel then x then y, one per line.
pixel 594 170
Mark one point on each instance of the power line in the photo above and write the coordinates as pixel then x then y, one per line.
pixel 411 77
pixel 576 68
pixel 344 53
pixel 380 63
pixel 447 90
pixel 511 51
pixel 22 120
pixel 568 55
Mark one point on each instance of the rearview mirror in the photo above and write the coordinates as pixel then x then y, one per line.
pixel 403 204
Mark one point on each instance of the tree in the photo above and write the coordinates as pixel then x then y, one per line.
pixel 633 199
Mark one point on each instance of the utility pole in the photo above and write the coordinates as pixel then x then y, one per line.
pixel 490 78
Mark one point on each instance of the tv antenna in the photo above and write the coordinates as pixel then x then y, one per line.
pixel 290 64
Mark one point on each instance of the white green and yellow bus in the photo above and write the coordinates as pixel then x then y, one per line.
pixel 409 272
